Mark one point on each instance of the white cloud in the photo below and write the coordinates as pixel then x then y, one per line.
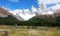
pixel 50 12
pixel 14 0
pixel 48 1
pixel 57 6
pixel 42 6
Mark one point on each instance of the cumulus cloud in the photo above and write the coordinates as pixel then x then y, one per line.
pixel 48 1
pixel 14 0
pixel 57 6
pixel 43 5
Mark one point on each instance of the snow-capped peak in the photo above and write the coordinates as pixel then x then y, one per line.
pixel 24 14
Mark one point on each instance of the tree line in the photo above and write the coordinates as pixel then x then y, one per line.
pixel 35 21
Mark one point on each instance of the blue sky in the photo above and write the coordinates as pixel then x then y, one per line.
pixel 20 4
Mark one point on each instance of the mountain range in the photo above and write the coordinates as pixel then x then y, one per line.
pixel 26 14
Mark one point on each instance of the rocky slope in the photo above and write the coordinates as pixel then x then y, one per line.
pixel 4 12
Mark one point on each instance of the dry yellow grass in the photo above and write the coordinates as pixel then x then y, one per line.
pixel 5 26
pixel 1 33
pixel 31 32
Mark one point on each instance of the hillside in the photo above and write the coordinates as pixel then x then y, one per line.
pixel 38 20
pixel 8 20
pixel 6 17
pixel 47 20
pixel 4 11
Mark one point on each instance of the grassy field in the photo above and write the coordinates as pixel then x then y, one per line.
pixel 5 27
pixel 31 32
pixel 1 33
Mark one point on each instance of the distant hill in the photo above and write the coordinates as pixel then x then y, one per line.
pixel 8 20
pixel 47 20
pixel 4 12
pixel 6 17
